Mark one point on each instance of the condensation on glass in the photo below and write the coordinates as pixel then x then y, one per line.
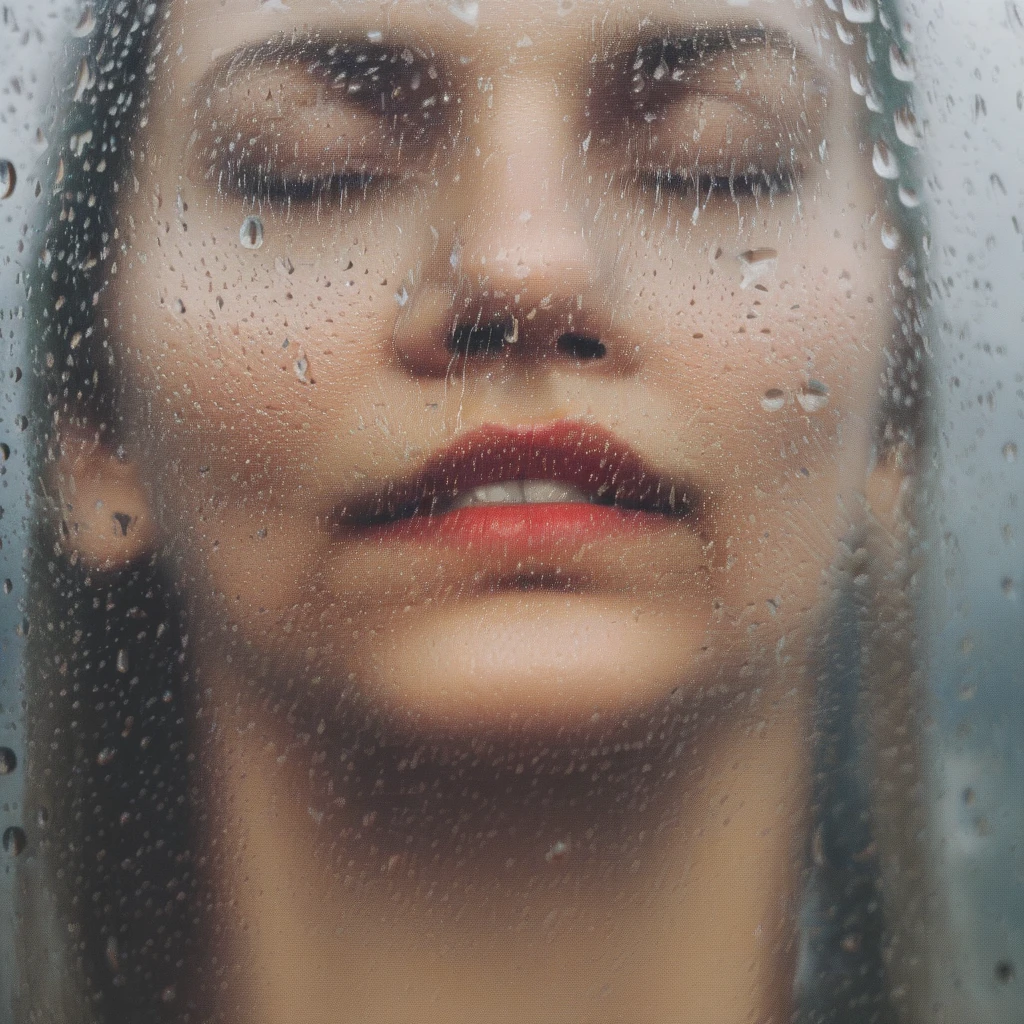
pixel 484 523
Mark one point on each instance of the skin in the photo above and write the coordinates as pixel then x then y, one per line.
pixel 645 864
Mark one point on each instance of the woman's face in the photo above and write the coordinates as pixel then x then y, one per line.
pixel 502 376
pixel 541 391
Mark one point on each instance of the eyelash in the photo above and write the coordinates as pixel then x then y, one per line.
pixel 751 184
pixel 258 184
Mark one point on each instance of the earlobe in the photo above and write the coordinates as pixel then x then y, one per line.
pixel 888 486
pixel 103 504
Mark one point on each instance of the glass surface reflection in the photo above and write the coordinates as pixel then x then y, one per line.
pixel 480 514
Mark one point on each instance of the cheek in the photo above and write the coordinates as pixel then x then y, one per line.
pixel 771 374
pixel 247 356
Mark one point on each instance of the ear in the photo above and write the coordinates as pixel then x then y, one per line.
pixel 102 503
pixel 888 489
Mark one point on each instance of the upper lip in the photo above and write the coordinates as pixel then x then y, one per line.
pixel 591 458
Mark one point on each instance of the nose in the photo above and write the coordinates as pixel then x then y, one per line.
pixel 521 226
pixel 516 273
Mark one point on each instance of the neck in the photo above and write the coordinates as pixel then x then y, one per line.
pixel 367 885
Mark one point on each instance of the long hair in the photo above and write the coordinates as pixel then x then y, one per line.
pixel 111 736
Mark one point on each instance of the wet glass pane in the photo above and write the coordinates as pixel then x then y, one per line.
pixel 509 511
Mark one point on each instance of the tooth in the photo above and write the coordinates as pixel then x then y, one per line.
pixel 507 493
pixel 518 492
pixel 546 492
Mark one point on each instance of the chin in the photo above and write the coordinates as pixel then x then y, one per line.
pixel 541 662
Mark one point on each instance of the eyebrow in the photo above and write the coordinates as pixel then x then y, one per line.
pixel 332 55
pixel 699 43
pixel 688 46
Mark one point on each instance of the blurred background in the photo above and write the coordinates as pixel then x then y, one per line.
pixel 970 61
pixel 970 105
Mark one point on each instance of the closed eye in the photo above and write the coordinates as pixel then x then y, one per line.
pixel 262 184
pixel 753 183
pixel 735 113
pixel 311 122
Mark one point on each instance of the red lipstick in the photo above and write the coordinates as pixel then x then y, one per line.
pixel 616 492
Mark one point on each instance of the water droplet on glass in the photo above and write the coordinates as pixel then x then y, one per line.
pixel 873 101
pixel 302 369
pixel 43 817
pixel 105 756
pixel 8 761
pixel 884 162
pixel 1010 451
pixel 84 79
pixel 558 851
pixel 902 66
pixel 845 35
pixel 1005 972
pixel 1014 16
pixel 860 12
pixel 814 396
pixel 909 197
pixel 757 263
pixel 8 586
pixel 250 234
pixel 122 661
pixel 86 23
pixel 8 179
pixel 906 127
pixel 891 237
pixel 14 840
pixel 773 400
pixel 858 83
pixel 1009 590
pixel 179 306
pixel 467 11
pixel 77 143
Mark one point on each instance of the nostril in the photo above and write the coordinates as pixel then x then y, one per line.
pixel 581 346
pixel 483 339
pixel 495 336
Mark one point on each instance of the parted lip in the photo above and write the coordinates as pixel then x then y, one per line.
pixel 592 459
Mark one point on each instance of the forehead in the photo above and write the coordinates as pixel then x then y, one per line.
pixel 510 32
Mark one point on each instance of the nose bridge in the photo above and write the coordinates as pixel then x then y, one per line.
pixel 520 223
pixel 523 277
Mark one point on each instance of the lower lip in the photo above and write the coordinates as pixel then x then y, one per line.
pixel 523 527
